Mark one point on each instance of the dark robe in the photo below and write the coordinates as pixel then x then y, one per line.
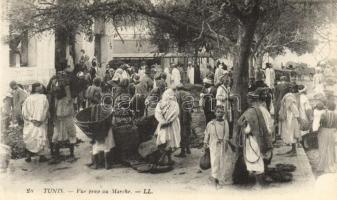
pixel 209 103
pixel 185 101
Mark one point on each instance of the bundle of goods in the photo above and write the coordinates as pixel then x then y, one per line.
pixel 94 121
pixel 126 136
pixel 147 126
pixel 127 142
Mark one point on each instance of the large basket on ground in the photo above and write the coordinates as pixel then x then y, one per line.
pixel 94 121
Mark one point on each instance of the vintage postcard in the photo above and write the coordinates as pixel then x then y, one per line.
pixel 168 99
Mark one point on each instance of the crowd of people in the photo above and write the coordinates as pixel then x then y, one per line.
pixel 47 114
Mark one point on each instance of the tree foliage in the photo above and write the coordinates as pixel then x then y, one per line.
pixel 239 27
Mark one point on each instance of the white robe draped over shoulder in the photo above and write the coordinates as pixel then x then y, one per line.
pixel 167 112
pixel 35 108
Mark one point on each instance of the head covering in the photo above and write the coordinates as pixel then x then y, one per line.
pixel 180 86
pixel 35 86
pixel 220 107
pixel 189 62
pixel 136 78
pixel 118 74
pixel 148 69
pixel 294 88
pixel 97 81
pixel 283 78
pixel 124 83
pixel 302 88
pixel 168 95
pixel 80 74
pixel 253 96
pixel 208 81
pixel 13 83
pixel 331 105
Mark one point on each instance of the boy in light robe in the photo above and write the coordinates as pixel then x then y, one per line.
pixel 35 114
pixel 221 150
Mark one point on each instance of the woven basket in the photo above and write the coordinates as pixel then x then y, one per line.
pixel 94 121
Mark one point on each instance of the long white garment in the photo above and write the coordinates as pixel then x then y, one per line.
pixel 289 126
pixel 167 111
pixel 318 83
pixel 175 77
pixel 35 108
pixel 190 74
pixel 270 77
pixel 304 106
pixel 222 156
pixel 253 156
pixel 106 145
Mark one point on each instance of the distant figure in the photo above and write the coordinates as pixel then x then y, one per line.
pixel 219 72
pixel 19 96
pixel 94 92
pixel 84 59
pixel 147 79
pixel 270 76
pixel 175 76
pixel 190 73
pixel 318 82
pixel 141 71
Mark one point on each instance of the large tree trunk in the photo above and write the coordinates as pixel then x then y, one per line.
pixel 241 72
pixel 60 47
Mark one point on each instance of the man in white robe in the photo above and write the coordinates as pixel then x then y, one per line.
pixel 270 76
pixel 175 76
pixel 35 114
pixel 318 82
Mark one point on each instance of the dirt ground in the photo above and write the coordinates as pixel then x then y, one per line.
pixel 77 180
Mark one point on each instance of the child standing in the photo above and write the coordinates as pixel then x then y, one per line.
pixel 221 150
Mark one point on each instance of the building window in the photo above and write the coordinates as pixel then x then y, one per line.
pixel 18 50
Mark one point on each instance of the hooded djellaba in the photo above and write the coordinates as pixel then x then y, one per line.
pixel 168 129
